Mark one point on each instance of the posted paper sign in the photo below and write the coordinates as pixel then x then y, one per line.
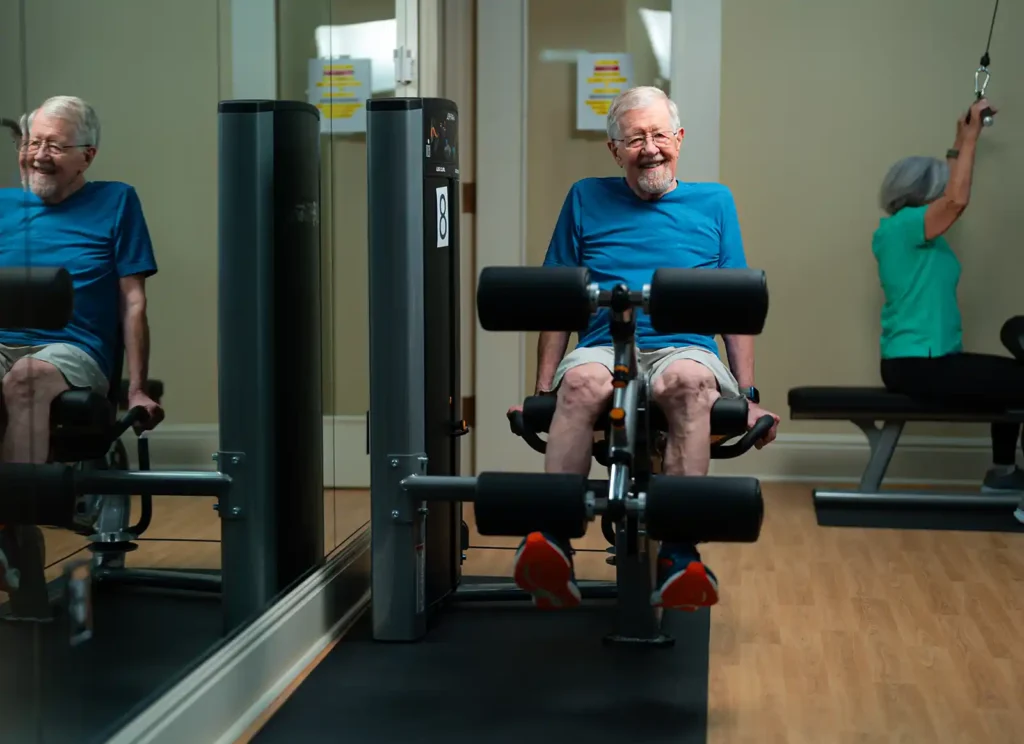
pixel 339 88
pixel 599 79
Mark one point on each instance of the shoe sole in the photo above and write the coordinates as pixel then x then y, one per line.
pixel 543 571
pixel 687 590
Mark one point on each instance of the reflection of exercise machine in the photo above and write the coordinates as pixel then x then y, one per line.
pixel 13 127
pixel 481 644
pixel 268 486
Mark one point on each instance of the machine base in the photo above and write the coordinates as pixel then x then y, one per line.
pixel 659 641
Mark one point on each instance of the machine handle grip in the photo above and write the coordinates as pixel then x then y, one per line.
pixel 136 415
pixel 757 432
pixel 518 425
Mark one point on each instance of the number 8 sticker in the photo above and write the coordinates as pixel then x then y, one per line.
pixel 443 219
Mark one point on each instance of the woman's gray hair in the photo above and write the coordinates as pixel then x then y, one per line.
pixel 913 182
pixel 635 98
pixel 75 111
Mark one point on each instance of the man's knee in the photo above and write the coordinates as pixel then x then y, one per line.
pixel 687 387
pixel 32 382
pixel 586 388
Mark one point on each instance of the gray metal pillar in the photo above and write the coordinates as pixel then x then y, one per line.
pixel 395 157
pixel 271 417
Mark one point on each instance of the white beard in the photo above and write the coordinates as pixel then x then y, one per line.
pixel 655 180
pixel 42 185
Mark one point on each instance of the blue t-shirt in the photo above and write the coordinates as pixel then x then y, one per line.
pixel 99 235
pixel 622 238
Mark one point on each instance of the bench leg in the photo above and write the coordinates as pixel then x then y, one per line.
pixel 883 441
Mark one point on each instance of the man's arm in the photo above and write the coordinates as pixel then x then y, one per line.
pixel 563 250
pixel 136 331
pixel 550 350
pixel 739 349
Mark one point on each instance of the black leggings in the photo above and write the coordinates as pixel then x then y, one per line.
pixel 972 379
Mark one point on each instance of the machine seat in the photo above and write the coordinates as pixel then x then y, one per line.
pixel 82 423
pixel 877 403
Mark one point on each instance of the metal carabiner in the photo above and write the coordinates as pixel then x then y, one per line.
pixel 979 87
pixel 979 92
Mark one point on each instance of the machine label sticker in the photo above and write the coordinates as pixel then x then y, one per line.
pixel 443 219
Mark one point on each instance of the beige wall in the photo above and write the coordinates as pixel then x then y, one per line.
pixel 346 328
pixel 818 99
pixel 153 73
pixel 558 154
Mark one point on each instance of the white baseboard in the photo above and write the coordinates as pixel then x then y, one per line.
pixel 792 457
pixel 831 458
pixel 191 447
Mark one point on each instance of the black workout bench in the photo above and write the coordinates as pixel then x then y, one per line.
pixel 881 415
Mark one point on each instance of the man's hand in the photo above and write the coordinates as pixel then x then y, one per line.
pixel 155 414
pixel 754 412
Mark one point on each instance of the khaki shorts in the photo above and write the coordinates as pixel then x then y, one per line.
pixel 651 364
pixel 79 369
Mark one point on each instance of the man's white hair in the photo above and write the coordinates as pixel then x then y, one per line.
pixel 638 98
pixel 75 111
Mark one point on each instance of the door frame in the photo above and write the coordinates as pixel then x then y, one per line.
pixel 501 108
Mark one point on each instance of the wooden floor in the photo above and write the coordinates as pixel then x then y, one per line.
pixel 823 635
pixel 834 635
pixel 185 533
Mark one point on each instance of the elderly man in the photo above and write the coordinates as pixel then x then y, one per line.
pixel 96 230
pixel 622 229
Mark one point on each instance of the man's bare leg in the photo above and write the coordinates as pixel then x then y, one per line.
pixel 582 395
pixel 29 389
pixel 543 564
pixel 686 392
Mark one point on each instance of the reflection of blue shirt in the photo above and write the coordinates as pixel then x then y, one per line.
pixel 622 238
pixel 99 235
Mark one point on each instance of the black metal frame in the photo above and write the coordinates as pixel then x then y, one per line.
pixel 883 433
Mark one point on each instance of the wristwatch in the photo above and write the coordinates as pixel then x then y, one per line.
pixel 752 394
pixel 952 153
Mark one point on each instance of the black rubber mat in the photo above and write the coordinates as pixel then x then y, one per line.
pixel 505 673
pixel 54 693
pixel 917 519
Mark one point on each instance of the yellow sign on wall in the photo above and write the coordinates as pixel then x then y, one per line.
pixel 599 79
pixel 339 88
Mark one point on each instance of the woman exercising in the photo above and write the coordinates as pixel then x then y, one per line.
pixel 921 344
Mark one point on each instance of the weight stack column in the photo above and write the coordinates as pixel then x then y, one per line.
pixel 269 349
pixel 443 390
pixel 394 151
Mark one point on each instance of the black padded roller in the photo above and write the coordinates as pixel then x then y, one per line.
pixel 533 298
pixel 35 297
pixel 516 504
pixel 709 301
pixel 1012 336
pixel 728 416
pixel 695 509
pixel 37 494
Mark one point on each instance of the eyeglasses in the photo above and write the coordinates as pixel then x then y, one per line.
pixel 52 148
pixel 660 139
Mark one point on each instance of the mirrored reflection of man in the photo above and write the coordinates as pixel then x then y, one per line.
pixel 96 230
